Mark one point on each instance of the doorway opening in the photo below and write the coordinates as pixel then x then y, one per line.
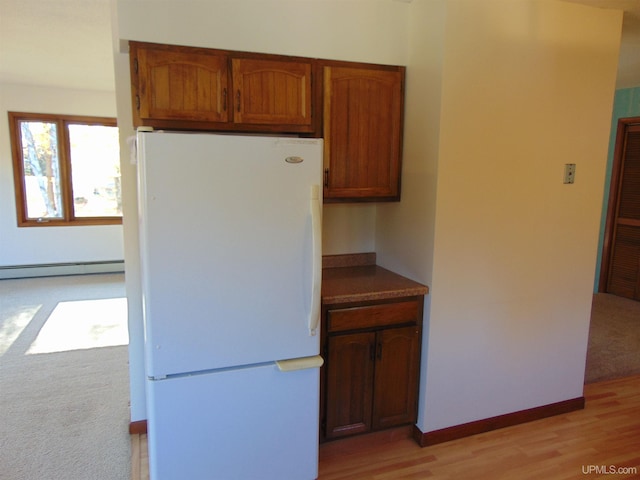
pixel 620 270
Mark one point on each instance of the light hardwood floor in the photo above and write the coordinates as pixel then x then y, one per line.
pixel 139 458
pixel 601 441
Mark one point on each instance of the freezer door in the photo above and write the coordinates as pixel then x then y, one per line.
pixel 227 251
pixel 252 423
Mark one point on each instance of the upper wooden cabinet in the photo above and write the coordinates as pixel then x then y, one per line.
pixel 198 88
pixel 270 92
pixel 358 107
pixel 175 84
pixel 363 113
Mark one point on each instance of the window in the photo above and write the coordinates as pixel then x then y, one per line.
pixel 66 169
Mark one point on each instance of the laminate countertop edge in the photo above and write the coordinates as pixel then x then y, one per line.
pixel 364 282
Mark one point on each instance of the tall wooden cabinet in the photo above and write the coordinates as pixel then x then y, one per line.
pixel 362 118
pixel 207 89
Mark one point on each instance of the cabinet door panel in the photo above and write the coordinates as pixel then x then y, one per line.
pixel 362 130
pixel 179 85
pixel 396 377
pixel 271 92
pixel 349 384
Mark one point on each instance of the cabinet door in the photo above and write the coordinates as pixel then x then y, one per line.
pixel 362 130
pixel 271 92
pixel 396 377
pixel 349 384
pixel 181 84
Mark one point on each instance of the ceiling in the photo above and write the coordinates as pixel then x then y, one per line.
pixel 67 43
pixel 60 43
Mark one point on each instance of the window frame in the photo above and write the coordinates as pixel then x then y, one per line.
pixel 64 155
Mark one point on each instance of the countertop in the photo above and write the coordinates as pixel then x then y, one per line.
pixel 356 278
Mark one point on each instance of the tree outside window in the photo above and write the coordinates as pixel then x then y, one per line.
pixel 66 169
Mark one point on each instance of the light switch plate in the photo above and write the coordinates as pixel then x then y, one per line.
pixel 569 172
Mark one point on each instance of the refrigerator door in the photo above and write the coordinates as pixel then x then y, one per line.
pixel 245 424
pixel 227 254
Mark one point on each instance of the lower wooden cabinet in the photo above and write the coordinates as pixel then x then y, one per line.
pixel 395 394
pixel 370 378
pixel 350 368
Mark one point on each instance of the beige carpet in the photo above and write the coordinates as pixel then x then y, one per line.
pixel 614 338
pixel 64 388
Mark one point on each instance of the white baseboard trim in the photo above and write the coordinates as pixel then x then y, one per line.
pixel 50 270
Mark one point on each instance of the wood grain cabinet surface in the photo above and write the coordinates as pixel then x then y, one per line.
pixel 270 92
pixel 362 118
pixel 179 85
pixel 192 88
pixel 357 108
pixel 370 377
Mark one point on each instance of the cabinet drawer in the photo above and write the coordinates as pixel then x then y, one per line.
pixel 372 316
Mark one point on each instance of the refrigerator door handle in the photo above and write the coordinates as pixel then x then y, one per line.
pixel 316 252
pixel 303 363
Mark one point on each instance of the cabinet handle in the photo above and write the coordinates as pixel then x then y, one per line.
pixel 379 353
pixel 224 99
pixel 372 352
pixel 238 101
pixel 137 102
pixel 326 178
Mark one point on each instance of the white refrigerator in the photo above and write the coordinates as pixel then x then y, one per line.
pixel 230 246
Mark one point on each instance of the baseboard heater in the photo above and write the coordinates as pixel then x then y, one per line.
pixel 54 269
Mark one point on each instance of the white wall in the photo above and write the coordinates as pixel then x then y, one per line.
pixel 46 245
pixel 367 31
pixel 526 87
pixel 405 230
